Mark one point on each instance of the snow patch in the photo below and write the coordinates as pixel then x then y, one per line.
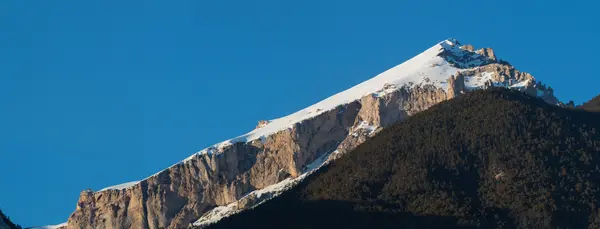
pixel 476 82
pixel 363 125
pixel 51 226
pixel 217 214
pixel 387 88
pixel 521 84
pixel 120 186
pixel 263 139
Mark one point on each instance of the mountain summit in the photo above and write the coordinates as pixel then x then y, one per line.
pixel 245 171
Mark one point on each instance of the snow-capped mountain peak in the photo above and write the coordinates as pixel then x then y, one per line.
pixel 244 171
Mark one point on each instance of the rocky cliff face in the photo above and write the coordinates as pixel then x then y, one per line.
pixel 237 174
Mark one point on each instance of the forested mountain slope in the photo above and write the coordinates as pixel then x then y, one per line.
pixel 489 159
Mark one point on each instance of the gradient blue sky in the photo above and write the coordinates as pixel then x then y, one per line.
pixel 95 93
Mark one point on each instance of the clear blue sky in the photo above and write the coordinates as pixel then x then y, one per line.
pixel 95 93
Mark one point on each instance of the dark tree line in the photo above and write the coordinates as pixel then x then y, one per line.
pixel 490 159
pixel 5 220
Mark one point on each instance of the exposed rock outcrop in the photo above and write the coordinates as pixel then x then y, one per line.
pixel 468 47
pixel 487 52
pixel 262 123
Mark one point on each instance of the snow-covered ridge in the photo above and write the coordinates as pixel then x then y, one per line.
pixel 120 186
pixel 427 66
pixel 57 226
pixel 433 67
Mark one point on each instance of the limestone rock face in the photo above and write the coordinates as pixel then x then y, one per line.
pixel 178 196
pixel 488 52
pixel 456 85
pixel 468 47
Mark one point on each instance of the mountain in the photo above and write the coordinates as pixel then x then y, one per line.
pixel 592 105
pixel 247 170
pixel 5 222
pixel 490 159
